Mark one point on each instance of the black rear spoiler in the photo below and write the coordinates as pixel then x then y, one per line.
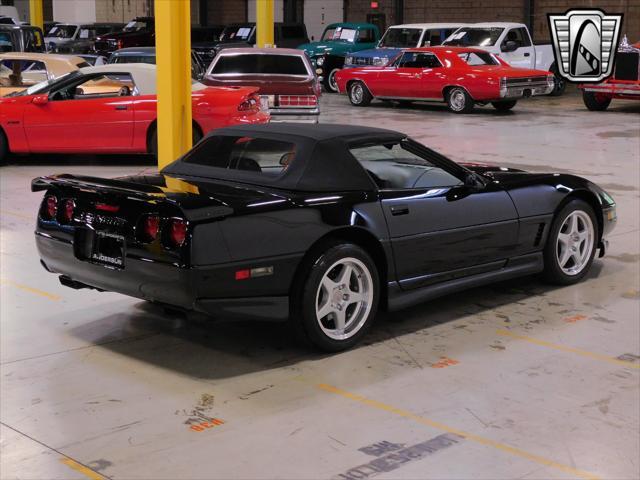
pixel 192 210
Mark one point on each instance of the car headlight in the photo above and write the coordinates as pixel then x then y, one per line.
pixel 380 61
pixel 348 60
pixel 320 61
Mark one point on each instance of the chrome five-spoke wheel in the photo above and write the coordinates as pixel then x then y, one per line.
pixel 344 298
pixel 575 242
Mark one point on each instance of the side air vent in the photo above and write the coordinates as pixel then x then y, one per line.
pixel 538 239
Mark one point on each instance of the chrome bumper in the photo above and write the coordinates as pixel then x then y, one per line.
pixel 526 91
pixel 614 88
pixel 301 115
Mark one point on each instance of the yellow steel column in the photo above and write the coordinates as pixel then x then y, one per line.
pixel 173 59
pixel 264 23
pixel 36 17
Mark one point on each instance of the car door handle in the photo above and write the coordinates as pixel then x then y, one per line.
pixel 527 54
pixel 121 107
pixel 401 209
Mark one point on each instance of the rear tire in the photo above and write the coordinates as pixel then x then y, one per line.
pixel 4 148
pixel 459 101
pixel 504 106
pixel 337 302
pixel 572 244
pixel 596 102
pixel 152 148
pixel 359 95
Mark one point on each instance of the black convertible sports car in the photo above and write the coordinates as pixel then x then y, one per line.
pixel 319 225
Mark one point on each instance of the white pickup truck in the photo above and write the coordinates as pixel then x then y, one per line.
pixel 511 42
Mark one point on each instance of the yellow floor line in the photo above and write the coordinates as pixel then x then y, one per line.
pixel 35 291
pixel 86 471
pixel 562 348
pixel 16 214
pixel 469 436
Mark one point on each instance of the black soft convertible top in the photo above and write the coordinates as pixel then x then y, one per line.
pixel 322 162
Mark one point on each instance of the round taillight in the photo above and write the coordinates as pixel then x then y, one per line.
pixel 51 207
pixel 151 227
pixel 68 208
pixel 177 232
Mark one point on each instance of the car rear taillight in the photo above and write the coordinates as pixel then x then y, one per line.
pixel 251 104
pixel 177 232
pixel 150 227
pixel 50 209
pixel 68 207
pixel 120 44
pixel 298 100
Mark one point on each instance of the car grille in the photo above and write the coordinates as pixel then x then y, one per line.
pixel 206 55
pixel 527 81
pixel 627 66
pixel 106 45
pixel 362 61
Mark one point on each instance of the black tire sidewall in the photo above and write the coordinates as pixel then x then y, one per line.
pixel 331 75
pixel 590 101
pixel 4 148
pixel 306 303
pixel 559 83
pixel 366 96
pixel 552 271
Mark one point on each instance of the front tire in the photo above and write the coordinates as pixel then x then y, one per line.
pixel 596 102
pixel 359 95
pixel 504 106
pixel 459 101
pixel 572 244
pixel 338 301
pixel 559 83
pixel 330 83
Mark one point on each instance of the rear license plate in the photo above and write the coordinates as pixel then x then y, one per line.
pixel 108 249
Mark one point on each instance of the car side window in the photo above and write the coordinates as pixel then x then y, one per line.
pixel 518 35
pixel 366 35
pixel 101 86
pixel 419 60
pixel 393 167
pixel 22 73
pixel 432 38
pixel 87 33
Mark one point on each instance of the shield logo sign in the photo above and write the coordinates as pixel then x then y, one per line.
pixel 584 43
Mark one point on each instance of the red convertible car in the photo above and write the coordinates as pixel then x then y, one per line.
pixel 461 77
pixel 110 109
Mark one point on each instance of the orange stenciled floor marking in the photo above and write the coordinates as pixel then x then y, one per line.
pixel 575 318
pixel 200 427
pixel 445 362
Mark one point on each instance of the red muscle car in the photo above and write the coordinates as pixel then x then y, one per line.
pixel 461 77
pixel 623 84
pixel 110 109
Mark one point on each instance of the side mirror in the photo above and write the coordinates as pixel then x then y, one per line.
pixel 40 100
pixel 509 46
pixel 473 181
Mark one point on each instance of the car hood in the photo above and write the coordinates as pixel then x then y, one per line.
pixel 268 85
pixel 386 52
pixel 119 35
pixel 56 40
pixel 320 48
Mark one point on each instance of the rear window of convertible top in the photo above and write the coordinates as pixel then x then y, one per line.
pixel 257 155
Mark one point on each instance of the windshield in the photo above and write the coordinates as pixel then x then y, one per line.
pixel 134 26
pixel 475 37
pixel 242 33
pixel 62 31
pixel 6 45
pixel 43 86
pixel 339 33
pixel 401 38
pixel 261 64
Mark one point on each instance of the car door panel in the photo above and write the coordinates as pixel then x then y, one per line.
pixel 86 125
pixel 439 230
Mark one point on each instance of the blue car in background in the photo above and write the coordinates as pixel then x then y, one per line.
pixel 400 37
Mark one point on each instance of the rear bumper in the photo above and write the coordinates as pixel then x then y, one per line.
pixel 625 90
pixel 295 115
pixel 525 91
pixel 154 281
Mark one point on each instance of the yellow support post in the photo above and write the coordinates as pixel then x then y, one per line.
pixel 173 59
pixel 264 23
pixel 36 17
